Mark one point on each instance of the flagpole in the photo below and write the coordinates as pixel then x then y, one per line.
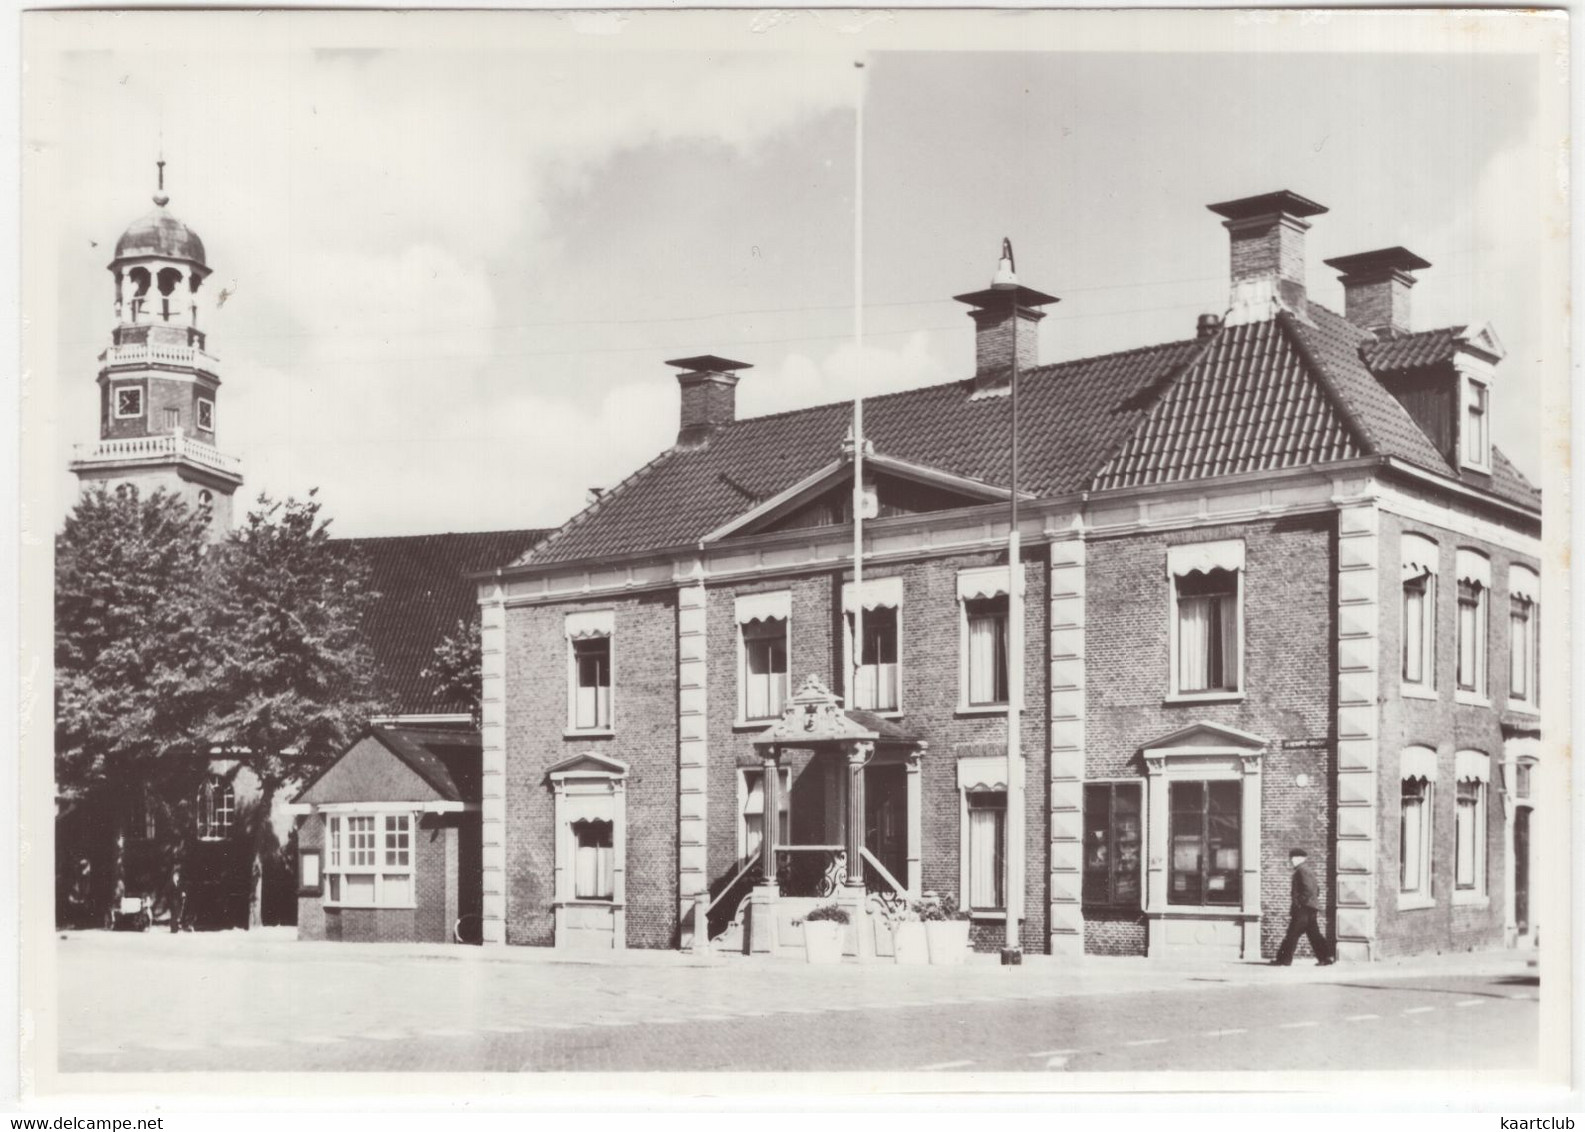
pixel 1012 949
pixel 855 868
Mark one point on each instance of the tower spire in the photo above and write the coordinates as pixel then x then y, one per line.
pixel 160 197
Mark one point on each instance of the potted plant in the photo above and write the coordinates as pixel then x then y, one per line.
pixel 908 935
pixel 946 930
pixel 823 931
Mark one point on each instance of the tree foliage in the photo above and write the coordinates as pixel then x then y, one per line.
pixel 457 669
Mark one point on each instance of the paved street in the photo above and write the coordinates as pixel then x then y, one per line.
pixel 229 1002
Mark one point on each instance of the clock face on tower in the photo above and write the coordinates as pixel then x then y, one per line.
pixel 129 402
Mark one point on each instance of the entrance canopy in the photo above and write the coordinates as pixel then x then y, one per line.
pixel 815 717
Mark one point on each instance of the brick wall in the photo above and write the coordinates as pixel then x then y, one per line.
pixel 436 884
pixel 993 340
pixel 1288 587
pixel 1447 727
pixel 644 711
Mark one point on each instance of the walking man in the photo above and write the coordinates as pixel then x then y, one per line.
pixel 1304 915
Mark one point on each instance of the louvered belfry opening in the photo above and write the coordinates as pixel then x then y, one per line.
pixel 1376 289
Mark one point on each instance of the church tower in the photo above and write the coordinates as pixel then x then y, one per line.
pixel 157 385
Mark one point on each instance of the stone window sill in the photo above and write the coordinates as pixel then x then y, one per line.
pixel 1471 699
pixel 588 733
pixel 1203 698
pixel 1412 902
pixel 1471 899
pixel 982 709
pixel 1524 707
pixel 1418 692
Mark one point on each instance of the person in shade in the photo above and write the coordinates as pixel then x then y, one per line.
pixel 1304 916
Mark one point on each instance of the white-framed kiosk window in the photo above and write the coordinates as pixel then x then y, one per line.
pixel 1418 571
pixel 763 637
pixel 369 860
pixel 1472 778
pixel 1416 825
pixel 983 684
pixel 1474 614
pixel 590 671
pixel 878 683
pixel 1524 638
pixel 1205 584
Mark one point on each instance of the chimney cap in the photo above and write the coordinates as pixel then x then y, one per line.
pixel 1004 295
pixel 1268 204
pixel 1383 261
pixel 709 363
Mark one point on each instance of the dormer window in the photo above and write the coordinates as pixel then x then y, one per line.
pixel 1477 425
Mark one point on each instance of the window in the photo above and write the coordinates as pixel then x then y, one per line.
pixel 1524 625
pixel 1207 621
pixel 217 809
pixel 589 671
pixel 369 860
pixel 1419 559
pixel 173 419
pixel 1417 773
pixel 1476 436
pixel 594 861
pixel 1112 839
pixel 751 825
pixel 876 687
pixel 764 669
pixel 987 650
pixel 129 401
pixel 987 845
pixel 1206 842
pixel 1469 824
pixel 1522 773
pixel 206 414
pixel 1474 582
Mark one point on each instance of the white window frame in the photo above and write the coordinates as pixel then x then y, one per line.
pixel 977 583
pixel 338 865
pixel 217 817
pixel 590 625
pixel 589 788
pixel 206 407
pixel 783 803
pixel 1524 585
pixel 1185 559
pixel 761 608
pixel 1418 764
pixel 1471 389
pixel 1473 567
pixel 879 593
pixel 981 775
pixel 115 402
pixel 1420 561
pixel 1472 767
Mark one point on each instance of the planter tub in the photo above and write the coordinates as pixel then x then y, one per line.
pixel 909 943
pixel 949 941
pixel 823 941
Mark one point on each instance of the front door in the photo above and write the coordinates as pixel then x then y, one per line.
pixel 1521 869
pixel 886 821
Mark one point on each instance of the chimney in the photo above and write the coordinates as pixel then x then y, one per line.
pixel 1376 289
pixel 1267 254
pixel 1206 326
pixel 1004 313
pixel 709 396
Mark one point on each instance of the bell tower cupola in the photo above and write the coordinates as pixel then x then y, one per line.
pixel 158 385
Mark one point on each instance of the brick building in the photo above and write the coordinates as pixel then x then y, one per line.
pixel 1278 589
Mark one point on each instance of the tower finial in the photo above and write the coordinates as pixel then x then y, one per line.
pixel 159 197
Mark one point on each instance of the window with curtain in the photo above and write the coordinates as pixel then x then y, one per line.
pixel 987 850
pixel 1419 630
pixel 1523 653
pixel 1471 636
pixel 987 648
pixel 877 686
pixel 593 861
pixel 369 860
pixel 1414 837
pixel 1113 836
pixel 764 668
pixel 591 661
pixel 752 830
pixel 1467 830
pixel 1207 658
pixel 1205 834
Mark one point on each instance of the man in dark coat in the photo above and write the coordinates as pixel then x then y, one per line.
pixel 1304 915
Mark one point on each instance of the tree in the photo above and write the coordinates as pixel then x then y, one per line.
pixel 290 675
pixel 128 652
pixel 457 670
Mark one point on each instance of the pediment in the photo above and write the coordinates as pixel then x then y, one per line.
pixel 588 765
pixel 1207 735
pixel 893 487
pixel 1481 338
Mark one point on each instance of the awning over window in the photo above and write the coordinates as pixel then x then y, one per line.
pixel 1204 557
pixel 764 607
pixel 879 593
pixel 591 623
pixel 1419 556
pixel 1524 583
pixel 983 772
pixel 1474 567
pixel 1472 766
pixel 982 582
pixel 1418 762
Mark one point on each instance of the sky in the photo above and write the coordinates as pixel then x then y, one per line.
pixel 455 264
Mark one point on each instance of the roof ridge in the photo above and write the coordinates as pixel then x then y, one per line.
pixel 592 508
pixel 1289 327
pixel 445 534
pixel 381 732
pixel 1160 387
